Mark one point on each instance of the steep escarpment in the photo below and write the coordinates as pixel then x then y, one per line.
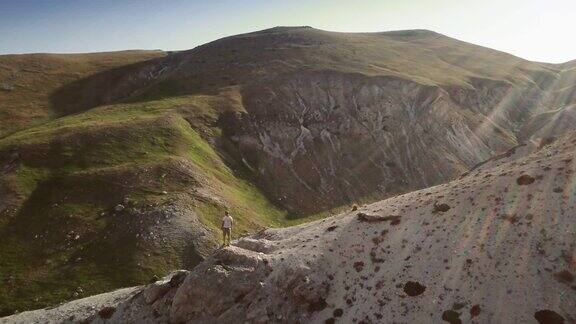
pixel 340 137
pixel 497 245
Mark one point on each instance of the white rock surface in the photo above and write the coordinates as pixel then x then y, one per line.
pixel 74 311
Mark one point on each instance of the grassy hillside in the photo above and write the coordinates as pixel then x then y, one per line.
pixel 27 81
pixel 72 172
pixel 421 56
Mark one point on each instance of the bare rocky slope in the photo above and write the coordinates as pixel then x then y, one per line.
pixel 495 246
pixel 116 167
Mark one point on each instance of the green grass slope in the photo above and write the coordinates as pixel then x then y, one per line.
pixel 27 81
pixel 65 177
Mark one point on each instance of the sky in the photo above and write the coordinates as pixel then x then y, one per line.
pixel 538 30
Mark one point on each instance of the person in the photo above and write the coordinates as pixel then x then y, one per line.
pixel 227 222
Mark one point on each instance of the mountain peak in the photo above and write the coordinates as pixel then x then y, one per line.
pixel 283 29
pixel 412 33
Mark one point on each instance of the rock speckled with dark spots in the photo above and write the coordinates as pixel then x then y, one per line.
pixel 412 288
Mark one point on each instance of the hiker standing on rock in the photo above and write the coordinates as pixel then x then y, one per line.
pixel 227 221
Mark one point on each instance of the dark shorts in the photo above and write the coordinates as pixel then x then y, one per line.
pixel 227 231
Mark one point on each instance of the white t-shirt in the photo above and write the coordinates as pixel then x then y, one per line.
pixel 227 221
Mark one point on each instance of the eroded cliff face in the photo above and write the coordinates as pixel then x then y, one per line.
pixel 322 139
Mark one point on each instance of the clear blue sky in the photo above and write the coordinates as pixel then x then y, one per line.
pixel 541 30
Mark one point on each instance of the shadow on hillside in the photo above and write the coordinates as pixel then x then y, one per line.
pixel 101 88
